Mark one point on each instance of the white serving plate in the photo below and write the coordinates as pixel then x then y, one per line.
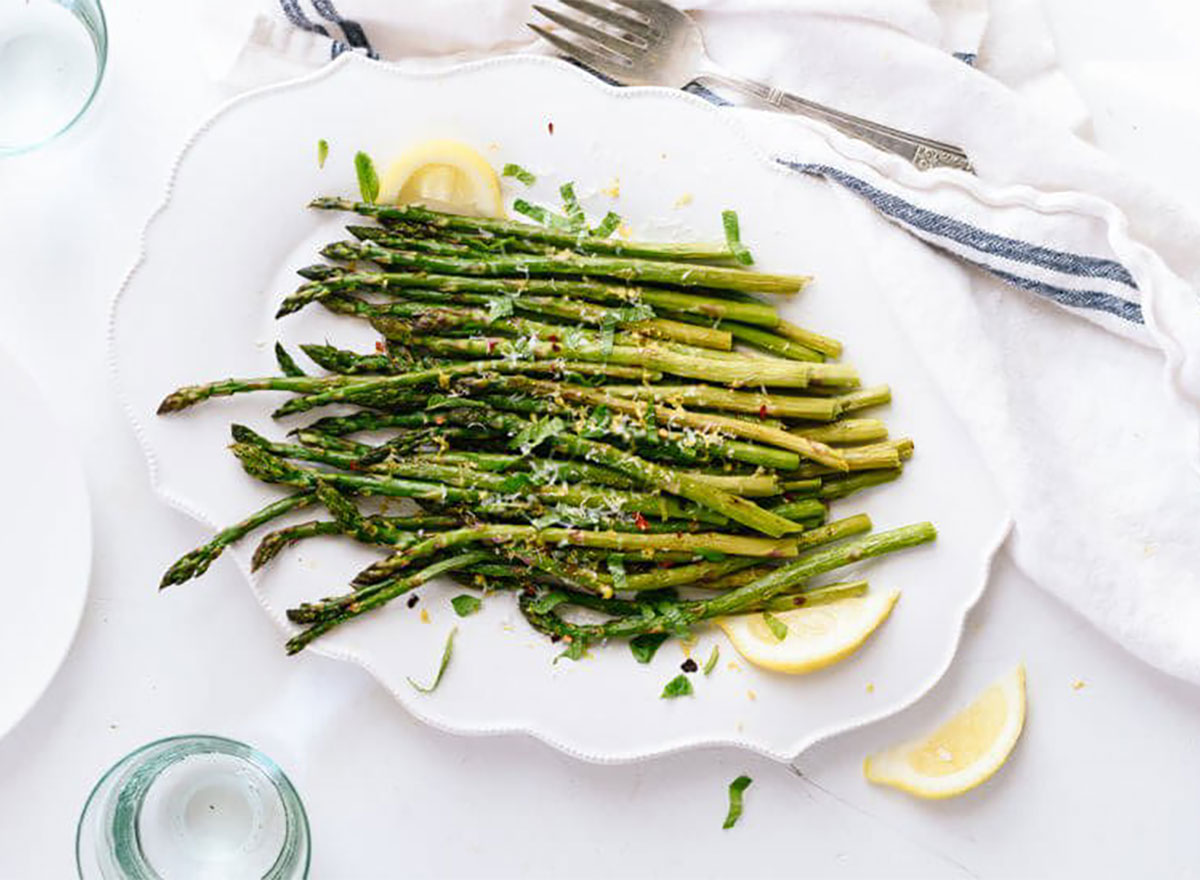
pixel 222 251
pixel 45 548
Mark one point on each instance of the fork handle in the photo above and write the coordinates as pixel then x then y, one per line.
pixel 922 152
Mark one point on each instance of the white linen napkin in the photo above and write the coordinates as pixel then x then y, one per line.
pixel 1074 360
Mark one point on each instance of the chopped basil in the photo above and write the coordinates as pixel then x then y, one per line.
pixel 466 605
pixel 711 663
pixel 712 555
pixel 607 333
pixel 645 646
pixel 616 568
pixel 511 169
pixel 322 152
pixel 571 207
pixel 679 686
pixel 287 365
pixel 368 180
pixel 736 788
pixel 541 215
pixel 609 225
pixel 777 627
pixel 733 238
pixel 547 603
pixel 446 652
pixel 499 307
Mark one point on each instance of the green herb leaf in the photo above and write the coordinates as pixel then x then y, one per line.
pixel 511 169
pixel 571 207
pixel 547 603
pixel 607 332
pixel 499 307
pixel 607 226
pixel 733 238
pixel 515 483
pixel 541 215
pixel 466 605
pixel 287 366
pixel 368 180
pixel 446 652
pixel 535 434
pixel 322 152
pixel 712 555
pixel 736 788
pixel 711 663
pixel 645 646
pixel 679 686
pixel 777 627
pixel 616 567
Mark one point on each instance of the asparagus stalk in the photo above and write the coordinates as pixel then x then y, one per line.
pixel 530 232
pixel 331 280
pixel 197 561
pixel 630 269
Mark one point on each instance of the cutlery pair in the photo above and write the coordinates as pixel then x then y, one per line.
pixel 651 43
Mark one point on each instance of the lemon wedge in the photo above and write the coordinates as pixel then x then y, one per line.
pixel 816 636
pixel 446 176
pixel 964 752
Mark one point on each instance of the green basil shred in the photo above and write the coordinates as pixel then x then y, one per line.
pixel 322 152
pixel 777 627
pixel 512 169
pixel 645 646
pixel 736 788
pixel 733 238
pixel 368 180
pixel 711 663
pixel 437 679
pixel 679 686
pixel 466 605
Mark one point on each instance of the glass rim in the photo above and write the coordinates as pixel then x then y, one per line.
pixel 98 31
pixel 259 756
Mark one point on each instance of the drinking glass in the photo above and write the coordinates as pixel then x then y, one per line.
pixel 192 807
pixel 52 57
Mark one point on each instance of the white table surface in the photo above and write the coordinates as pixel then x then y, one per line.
pixel 1103 784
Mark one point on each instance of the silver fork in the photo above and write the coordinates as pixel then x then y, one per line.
pixel 649 42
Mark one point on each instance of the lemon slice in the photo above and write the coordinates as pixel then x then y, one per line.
pixel 962 753
pixel 445 176
pixel 816 636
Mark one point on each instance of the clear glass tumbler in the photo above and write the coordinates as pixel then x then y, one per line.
pixel 191 807
pixel 52 58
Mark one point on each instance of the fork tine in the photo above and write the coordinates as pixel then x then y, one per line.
pixel 609 16
pixel 614 44
pixel 648 8
pixel 604 63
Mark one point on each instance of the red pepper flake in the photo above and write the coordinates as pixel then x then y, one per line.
pixel 491 345
pixel 555 347
pixel 640 522
pixel 799 600
pixel 439 420
pixel 762 411
pixel 380 348
pixel 553 337
pixel 550 127
pixel 667 563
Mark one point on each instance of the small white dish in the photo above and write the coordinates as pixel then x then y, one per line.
pixel 45 547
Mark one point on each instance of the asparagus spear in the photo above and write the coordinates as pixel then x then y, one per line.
pixel 686 275
pixel 529 232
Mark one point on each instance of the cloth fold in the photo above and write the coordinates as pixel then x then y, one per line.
pixel 1073 357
